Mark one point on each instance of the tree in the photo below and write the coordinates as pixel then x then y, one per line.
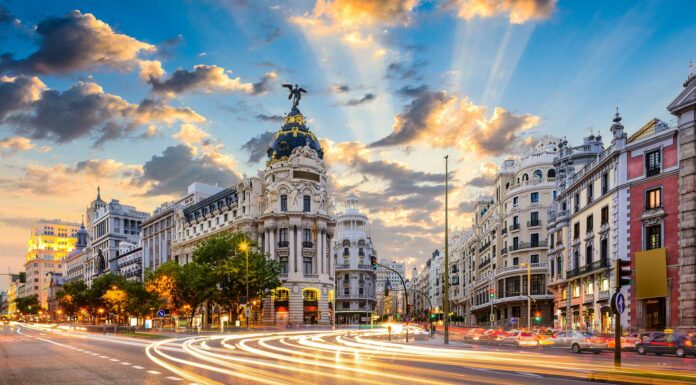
pixel 72 297
pixel 223 254
pixel 28 305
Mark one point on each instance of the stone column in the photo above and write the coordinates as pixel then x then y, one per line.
pixel 684 108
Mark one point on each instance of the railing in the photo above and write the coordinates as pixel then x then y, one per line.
pixel 308 275
pixel 528 245
pixel 343 295
pixel 484 263
pixel 283 244
pixel 588 268
pixel 563 214
pixel 504 231
pixel 344 266
pixel 346 252
pixel 308 244
pixel 534 223
pixel 518 267
pixel 484 246
pixel 365 267
pixel 504 251
pixel 514 226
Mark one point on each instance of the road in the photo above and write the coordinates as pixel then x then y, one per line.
pixel 38 356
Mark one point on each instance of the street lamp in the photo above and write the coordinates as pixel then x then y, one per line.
pixel 529 297
pixel 101 312
pixel 244 246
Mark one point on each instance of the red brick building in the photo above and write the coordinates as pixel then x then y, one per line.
pixel 653 182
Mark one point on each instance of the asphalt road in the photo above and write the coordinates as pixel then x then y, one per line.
pixel 37 356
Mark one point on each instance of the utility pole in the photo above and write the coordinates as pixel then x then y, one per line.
pixel 445 302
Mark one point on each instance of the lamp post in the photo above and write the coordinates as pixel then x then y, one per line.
pixel 244 246
pixel 529 297
pixel 445 302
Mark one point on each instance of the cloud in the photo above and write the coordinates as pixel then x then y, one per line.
pixel 338 88
pixel 85 110
pixel 105 168
pixel 77 42
pixel 270 118
pixel 517 11
pixel 486 180
pixel 356 102
pixel 178 166
pixel 257 146
pixel 190 134
pixel 13 144
pixel 17 94
pixel 203 78
pixel 5 16
pixel 447 121
pixel 412 91
pixel 21 222
pixel 467 206
pixel 359 13
pixel 404 71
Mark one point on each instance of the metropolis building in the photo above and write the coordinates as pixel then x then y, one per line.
pixel 287 213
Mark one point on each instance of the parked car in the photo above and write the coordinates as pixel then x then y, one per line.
pixel 627 342
pixel 579 342
pixel 677 344
pixel 521 338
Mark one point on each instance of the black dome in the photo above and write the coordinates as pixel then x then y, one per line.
pixel 294 133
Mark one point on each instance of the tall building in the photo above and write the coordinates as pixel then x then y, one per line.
pixel 288 214
pixel 158 231
pixel 109 225
pixel 74 267
pixel 355 277
pixel 49 244
pixel 394 302
pixel 684 108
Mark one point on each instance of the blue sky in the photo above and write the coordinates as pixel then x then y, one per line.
pixel 393 86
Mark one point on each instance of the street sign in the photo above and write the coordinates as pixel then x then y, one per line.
pixel 161 313
pixel 248 311
pixel 512 320
pixel 618 303
pixel 492 317
pixel 408 318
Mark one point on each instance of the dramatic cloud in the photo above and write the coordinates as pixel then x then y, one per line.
pixel 257 146
pixel 13 144
pixel 404 71
pixel 173 171
pixel 17 94
pixel 446 121
pixel 85 110
pixel 190 134
pixel 5 16
pixel 76 42
pixel 356 102
pixel 467 206
pixel 412 91
pixel 203 78
pixel 357 13
pixel 517 11
pixel 270 118
pixel 21 222
pixel 105 168
pixel 339 88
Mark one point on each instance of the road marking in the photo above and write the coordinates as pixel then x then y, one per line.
pixel 173 378
pixel 103 357
pixel 529 374
pixel 137 367
pixel 153 372
pixel 95 354
pixel 114 359
pixel 125 363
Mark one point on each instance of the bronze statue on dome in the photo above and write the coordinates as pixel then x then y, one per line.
pixel 295 94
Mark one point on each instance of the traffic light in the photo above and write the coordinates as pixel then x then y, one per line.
pixel 492 293
pixel 537 317
pixel 623 272
pixel 373 261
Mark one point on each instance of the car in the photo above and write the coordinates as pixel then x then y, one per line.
pixel 578 342
pixel 663 343
pixel 627 342
pixel 521 338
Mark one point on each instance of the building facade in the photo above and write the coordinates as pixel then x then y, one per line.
pixel 355 277
pixel 49 244
pixel 74 267
pixel 393 303
pixel 129 261
pixel 288 214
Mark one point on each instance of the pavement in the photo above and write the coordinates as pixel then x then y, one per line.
pixel 31 354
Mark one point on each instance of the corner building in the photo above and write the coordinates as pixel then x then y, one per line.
pixel 288 214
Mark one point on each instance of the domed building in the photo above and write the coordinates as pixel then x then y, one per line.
pixel 288 213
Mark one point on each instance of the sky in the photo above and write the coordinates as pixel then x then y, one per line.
pixel 143 98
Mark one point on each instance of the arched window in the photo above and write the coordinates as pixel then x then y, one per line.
pixel 551 173
pixel 525 178
pixel 538 174
pixel 283 203
pixel 507 185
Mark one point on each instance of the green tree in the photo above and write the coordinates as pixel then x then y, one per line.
pixel 28 305
pixel 72 297
pixel 226 256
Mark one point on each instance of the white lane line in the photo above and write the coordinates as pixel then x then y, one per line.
pixel 95 354
pixel 153 372
pixel 114 359
pixel 173 378
pixel 137 367
pixel 103 357
pixel 125 363
pixel 529 374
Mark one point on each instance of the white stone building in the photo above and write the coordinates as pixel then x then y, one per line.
pixel 355 277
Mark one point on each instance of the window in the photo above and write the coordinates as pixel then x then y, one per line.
pixel 346 305
pixel 307 263
pixel 515 243
pixel 538 174
pixel 605 284
pixel 590 193
pixel 283 235
pixel 283 265
pixel 653 163
pixel 534 239
pixel 576 203
pixel 589 223
pixel 515 201
pixel 346 290
pixel 534 258
pixel 576 291
pixel 534 219
pixel 576 230
pixel 535 197
pixel 589 288
pixel 605 183
pixel 564 294
pixel 306 204
pixel 515 261
pixel 552 268
pixel 306 236
pixel 653 237
pixel 283 202
pixel 605 215
pixel 588 255
pixel 653 198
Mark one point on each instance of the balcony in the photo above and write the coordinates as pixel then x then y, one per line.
pixel 588 268
pixel 346 253
pixel 504 231
pixel 365 267
pixel 562 215
pixel 350 295
pixel 308 244
pixel 343 266
pixel 540 265
pixel 504 251
pixel 514 227
pixel 283 244
pixel 309 275
pixel 484 246
pixel 534 223
pixel 528 245
pixel 484 263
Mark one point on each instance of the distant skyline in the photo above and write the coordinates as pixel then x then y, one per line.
pixel 144 99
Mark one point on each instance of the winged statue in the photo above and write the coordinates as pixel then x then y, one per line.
pixel 295 93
